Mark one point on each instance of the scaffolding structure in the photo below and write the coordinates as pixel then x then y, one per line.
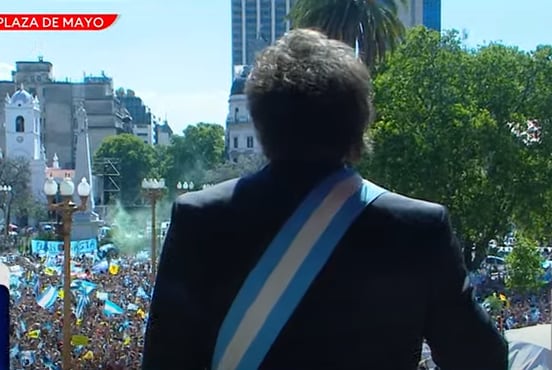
pixel 107 171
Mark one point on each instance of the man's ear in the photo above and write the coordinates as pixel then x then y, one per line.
pixel 4 275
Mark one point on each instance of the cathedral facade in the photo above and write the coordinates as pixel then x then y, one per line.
pixel 59 103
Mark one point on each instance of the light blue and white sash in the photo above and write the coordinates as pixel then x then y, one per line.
pixel 289 265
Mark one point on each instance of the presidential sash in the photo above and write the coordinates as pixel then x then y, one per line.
pixel 278 282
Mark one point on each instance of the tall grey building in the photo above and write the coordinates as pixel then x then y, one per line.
pixel 256 24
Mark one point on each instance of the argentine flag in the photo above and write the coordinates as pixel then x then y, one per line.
pixel 48 297
pixel 27 358
pixel 82 302
pixel 83 286
pixel 111 308
pixel 141 293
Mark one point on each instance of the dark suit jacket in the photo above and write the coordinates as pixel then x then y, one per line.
pixel 396 277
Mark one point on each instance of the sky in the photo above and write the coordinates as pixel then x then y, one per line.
pixel 176 56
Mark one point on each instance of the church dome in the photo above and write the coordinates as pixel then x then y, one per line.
pixel 238 85
pixel 22 96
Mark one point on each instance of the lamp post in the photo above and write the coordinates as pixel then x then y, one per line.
pixel 65 208
pixel 153 190
pixel 6 191
pixel 184 186
pixel 206 186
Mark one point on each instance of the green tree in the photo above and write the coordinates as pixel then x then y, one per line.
pixel 199 149
pixel 524 266
pixel 136 163
pixel 16 173
pixel 245 165
pixel 373 26
pixel 435 139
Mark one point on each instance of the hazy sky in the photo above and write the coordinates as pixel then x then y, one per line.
pixel 176 56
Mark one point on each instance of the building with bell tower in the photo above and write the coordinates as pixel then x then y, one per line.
pixel 22 126
pixel 22 132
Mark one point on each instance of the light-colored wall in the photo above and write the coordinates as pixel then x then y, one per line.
pixel 240 126
pixel 412 14
pixel 143 132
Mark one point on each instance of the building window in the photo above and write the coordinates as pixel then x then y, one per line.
pixel 235 142
pixel 250 141
pixel 20 124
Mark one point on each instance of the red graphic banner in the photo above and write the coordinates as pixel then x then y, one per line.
pixel 56 22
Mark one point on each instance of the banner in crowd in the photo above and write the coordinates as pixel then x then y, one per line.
pixel 52 248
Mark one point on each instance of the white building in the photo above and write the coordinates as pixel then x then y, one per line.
pixel 241 137
pixel 144 133
pixel 23 139
pixel 163 134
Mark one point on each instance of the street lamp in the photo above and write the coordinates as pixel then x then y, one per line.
pixel 65 208
pixel 153 190
pixel 184 186
pixel 6 191
pixel 206 186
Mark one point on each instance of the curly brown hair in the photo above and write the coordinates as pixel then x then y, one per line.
pixel 310 98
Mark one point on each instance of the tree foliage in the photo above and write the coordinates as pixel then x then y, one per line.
pixel 245 165
pixel 16 172
pixel 136 162
pixel 199 149
pixel 524 266
pixel 373 26
pixel 444 132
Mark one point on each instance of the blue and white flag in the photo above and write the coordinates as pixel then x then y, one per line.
pixel 124 326
pixel 14 281
pixel 535 315
pixel 141 293
pixel 36 286
pixel 100 267
pixel 111 308
pixel 48 297
pixel 49 363
pixel 27 358
pixel 83 286
pixel 82 302
pixel 16 294
pixel 14 351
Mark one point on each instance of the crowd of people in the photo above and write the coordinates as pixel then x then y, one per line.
pixel 104 337
pixel 114 339
pixel 517 311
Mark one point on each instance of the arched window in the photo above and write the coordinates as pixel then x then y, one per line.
pixel 20 124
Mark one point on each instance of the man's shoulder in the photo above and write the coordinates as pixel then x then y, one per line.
pixel 406 210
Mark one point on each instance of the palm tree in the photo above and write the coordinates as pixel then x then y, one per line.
pixel 371 26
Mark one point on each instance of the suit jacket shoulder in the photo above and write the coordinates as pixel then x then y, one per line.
pixel 410 211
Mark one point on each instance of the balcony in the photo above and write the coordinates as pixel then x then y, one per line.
pixel 237 120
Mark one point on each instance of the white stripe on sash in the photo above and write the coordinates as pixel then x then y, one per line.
pixel 285 270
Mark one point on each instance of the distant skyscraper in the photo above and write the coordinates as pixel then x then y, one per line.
pixel 432 14
pixel 417 12
pixel 258 23
pixel 255 25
